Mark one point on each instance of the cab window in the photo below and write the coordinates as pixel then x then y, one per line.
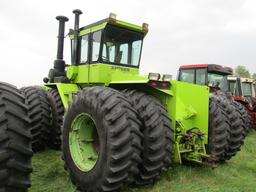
pixel 247 89
pixel 84 49
pixel 201 76
pixel 121 46
pixel 187 75
pixel 96 38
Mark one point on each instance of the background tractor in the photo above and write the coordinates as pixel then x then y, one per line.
pixel 118 127
pixel 244 93
pixel 211 75
pixel 216 78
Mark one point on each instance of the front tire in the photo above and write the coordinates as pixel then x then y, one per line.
pixel 247 118
pixel 105 120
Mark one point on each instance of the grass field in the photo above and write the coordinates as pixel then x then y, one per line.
pixel 238 174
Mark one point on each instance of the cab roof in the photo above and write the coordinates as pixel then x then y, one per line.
pixel 215 68
pixel 242 79
pixel 110 21
pixel 246 80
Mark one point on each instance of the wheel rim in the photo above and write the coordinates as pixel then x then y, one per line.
pixel 84 142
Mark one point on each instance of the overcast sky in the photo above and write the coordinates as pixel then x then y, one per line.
pixel 180 32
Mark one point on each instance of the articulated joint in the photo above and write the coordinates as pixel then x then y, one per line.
pixel 191 146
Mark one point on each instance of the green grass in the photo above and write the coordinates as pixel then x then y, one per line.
pixel 238 174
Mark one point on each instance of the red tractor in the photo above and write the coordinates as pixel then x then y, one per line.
pixel 212 75
pixel 243 90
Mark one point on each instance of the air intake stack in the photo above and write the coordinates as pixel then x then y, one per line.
pixel 59 63
pixel 57 74
pixel 75 58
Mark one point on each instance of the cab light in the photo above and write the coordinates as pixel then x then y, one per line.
pixel 145 27
pixel 154 76
pixel 112 16
pixel 167 77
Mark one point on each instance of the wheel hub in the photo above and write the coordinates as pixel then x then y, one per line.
pixel 84 142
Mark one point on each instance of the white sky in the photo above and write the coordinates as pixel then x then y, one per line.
pixel 180 32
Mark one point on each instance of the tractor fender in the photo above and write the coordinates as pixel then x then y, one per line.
pixel 66 91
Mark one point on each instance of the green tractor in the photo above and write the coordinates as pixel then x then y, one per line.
pixel 117 127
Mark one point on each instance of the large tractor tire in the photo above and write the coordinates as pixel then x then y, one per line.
pixel 57 113
pixel 158 136
pixel 99 146
pixel 236 131
pixel 15 141
pixel 39 113
pixel 247 118
pixel 219 127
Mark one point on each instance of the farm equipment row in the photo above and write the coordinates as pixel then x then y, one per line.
pixel 114 126
pixel 240 91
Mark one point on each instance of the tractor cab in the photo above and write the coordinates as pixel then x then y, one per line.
pixel 242 87
pixel 247 87
pixel 212 75
pixel 104 51
pixel 108 41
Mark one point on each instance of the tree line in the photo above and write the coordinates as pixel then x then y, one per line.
pixel 242 71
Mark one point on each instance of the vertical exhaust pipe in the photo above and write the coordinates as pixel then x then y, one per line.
pixel 59 63
pixel 75 55
pixel 57 74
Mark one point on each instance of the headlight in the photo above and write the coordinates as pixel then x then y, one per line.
pixel 154 76
pixel 167 77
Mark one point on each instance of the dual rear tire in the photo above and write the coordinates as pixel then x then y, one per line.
pixel 227 128
pixel 218 129
pixel 57 113
pixel 131 142
pixel 15 140
pixel 46 113
pixel 39 113
pixel 158 137
pixel 113 147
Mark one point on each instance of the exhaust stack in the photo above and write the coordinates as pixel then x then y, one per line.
pixel 57 74
pixel 59 63
pixel 75 58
